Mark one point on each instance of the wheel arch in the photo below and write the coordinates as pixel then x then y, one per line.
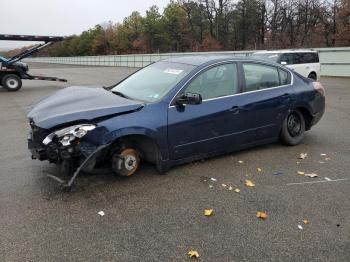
pixel 307 116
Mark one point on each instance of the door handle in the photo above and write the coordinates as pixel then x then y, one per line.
pixel 234 109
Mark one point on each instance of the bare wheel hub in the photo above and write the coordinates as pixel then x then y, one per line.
pixel 126 162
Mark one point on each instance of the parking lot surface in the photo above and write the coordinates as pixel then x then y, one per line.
pixel 152 217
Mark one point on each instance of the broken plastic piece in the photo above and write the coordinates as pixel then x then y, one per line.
pixel 312 175
pixel 303 155
pixel 278 173
pixel 213 179
pixel 300 227
pixel 101 213
pixel 249 183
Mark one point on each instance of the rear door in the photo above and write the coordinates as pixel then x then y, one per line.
pixel 264 103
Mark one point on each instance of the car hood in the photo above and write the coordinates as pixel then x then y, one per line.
pixel 73 104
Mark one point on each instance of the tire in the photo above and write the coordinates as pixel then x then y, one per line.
pixel 11 82
pixel 293 128
pixel 312 76
pixel 126 162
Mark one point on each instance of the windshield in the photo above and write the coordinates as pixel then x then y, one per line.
pixel 152 82
pixel 271 56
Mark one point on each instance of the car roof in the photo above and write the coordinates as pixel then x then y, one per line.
pixel 280 51
pixel 198 60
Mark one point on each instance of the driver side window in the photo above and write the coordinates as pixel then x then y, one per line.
pixel 215 82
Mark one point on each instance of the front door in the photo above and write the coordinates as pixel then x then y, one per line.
pixel 211 125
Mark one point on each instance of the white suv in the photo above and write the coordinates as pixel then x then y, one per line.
pixel 304 62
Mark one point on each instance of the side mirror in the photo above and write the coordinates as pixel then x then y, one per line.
pixel 283 62
pixel 189 99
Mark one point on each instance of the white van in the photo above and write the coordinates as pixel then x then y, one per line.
pixel 304 62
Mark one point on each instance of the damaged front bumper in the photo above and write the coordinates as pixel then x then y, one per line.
pixel 78 155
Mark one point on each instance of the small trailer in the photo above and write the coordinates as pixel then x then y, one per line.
pixel 12 70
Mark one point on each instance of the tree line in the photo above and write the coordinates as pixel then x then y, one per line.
pixel 212 25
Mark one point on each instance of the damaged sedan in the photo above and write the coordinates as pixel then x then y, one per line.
pixel 172 112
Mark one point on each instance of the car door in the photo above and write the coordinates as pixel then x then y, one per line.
pixel 264 103
pixel 211 125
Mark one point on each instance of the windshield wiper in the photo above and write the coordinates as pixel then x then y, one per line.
pixel 120 94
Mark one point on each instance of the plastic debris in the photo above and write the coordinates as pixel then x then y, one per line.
pixel 101 213
pixel 237 190
pixel 259 169
pixel 249 183
pixel 208 212
pixel 241 161
pixel 224 185
pixel 278 173
pixel 323 154
pixel 261 215
pixel 327 159
pixel 312 175
pixel 301 173
pixel 213 179
pixel 303 155
pixel 300 227
pixel 230 188
pixel 305 221
pixel 298 162
pixel 210 186
pixel 328 179
pixel 193 254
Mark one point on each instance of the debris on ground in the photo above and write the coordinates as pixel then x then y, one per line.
pixel 101 213
pixel 240 161
pixel 323 154
pixel 312 175
pixel 211 186
pixel 193 254
pixel 237 190
pixel 327 159
pixel 301 173
pixel 213 179
pixel 328 179
pixel 259 169
pixel 298 162
pixel 224 185
pixel 230 188
pixel 261 215
pixel 278 173
pixel 305 221
pixel 303 155
pixel 208 212
pixel 321 162
pixel 249 183
pixel 300 227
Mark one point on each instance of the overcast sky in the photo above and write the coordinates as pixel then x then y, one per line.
pixel 64 17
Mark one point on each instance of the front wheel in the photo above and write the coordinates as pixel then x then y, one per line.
pixel 293 129
pixel 11 82
pixel 126 161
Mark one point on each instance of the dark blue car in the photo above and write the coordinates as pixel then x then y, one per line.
pixel 174 111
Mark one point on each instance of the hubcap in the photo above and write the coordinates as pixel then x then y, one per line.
pixel 12 83
pixel 294 125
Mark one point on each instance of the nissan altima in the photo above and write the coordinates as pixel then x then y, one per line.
pixel 172 112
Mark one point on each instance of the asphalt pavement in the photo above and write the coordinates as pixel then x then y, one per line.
pixel 153 217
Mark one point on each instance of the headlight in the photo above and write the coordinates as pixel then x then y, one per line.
pixel 68 134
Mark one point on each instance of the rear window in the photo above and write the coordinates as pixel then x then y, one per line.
pixel 300 58
pixel 259 76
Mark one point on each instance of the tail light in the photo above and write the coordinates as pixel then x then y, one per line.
pixel 319 87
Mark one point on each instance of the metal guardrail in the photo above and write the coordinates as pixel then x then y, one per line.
pixel 334 61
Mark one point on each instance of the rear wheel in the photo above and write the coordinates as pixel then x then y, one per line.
pixel 312 76
pixel 126 161
pixel 11 82
pixel 293 129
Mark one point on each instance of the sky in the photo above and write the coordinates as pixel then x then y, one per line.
pixel 64 17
